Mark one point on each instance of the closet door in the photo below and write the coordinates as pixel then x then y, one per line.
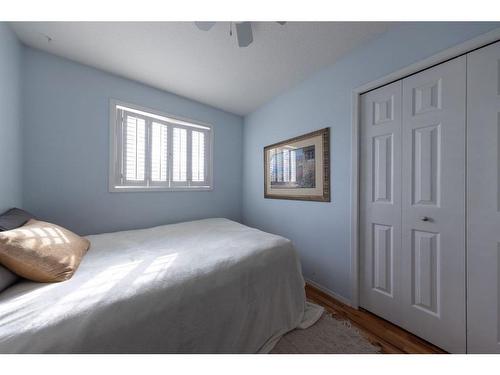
pixel 433 205
pixel 412 204
pixel 380 202
pixel 483 249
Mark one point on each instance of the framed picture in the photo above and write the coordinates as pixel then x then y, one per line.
pixel 299 168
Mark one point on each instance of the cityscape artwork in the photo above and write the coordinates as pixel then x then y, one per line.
pixel 293 168
pixel 299 168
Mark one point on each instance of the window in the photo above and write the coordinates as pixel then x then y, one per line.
pixel 154 151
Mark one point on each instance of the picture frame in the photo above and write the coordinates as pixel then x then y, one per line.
pixel 299 168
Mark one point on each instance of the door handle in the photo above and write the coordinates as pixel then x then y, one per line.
pixel 425 218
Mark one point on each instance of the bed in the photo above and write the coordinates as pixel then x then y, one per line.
pixel 206 286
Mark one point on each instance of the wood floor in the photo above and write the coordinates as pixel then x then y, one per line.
pixel 390 338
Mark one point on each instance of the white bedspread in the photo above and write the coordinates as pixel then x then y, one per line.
pixel 207 286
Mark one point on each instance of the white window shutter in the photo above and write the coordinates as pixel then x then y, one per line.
pixel 159 152
pixel 179 159
pixel 134 149
pixel 150 151
pixel 200 158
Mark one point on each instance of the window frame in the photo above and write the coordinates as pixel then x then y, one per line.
pixel 116 151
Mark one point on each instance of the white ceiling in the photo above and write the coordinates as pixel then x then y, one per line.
pixel 206 66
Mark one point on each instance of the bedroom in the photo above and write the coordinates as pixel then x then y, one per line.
pixel 291 186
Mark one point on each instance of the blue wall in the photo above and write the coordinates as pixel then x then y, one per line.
pixel 66 143
pixel 321 231
pixel 10 120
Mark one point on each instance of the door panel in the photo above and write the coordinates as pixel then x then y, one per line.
pixel 433 204
pixel 483 254
pixel 425 181
pixel 382 258
pixel 412 204
pixel 382 168
pixel 380 200
pixel 425 270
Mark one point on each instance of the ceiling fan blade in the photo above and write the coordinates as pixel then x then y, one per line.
pixel 244 33
pixel 205 26
pixel 281 22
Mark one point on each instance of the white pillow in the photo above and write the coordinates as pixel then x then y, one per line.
pixel 7 278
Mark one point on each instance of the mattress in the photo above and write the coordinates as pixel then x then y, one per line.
pixel 206 286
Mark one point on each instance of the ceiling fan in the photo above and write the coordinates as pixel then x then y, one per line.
pixel 243 30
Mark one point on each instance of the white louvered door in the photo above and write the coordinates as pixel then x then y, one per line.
pixel 412 208
pixel 483 248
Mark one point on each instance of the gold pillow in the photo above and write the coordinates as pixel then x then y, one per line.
pixel 42 252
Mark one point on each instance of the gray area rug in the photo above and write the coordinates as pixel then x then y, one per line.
pixel 327 336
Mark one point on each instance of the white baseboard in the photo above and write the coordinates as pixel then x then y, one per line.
pixel 338 297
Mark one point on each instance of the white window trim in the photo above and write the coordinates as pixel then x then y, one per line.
pixel 115 150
